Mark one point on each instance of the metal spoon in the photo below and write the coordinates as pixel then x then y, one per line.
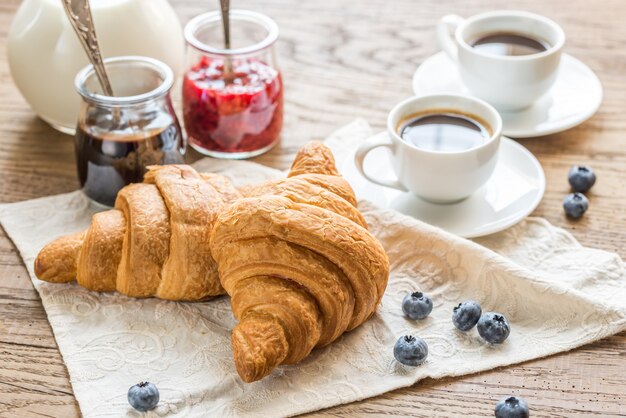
pixel 225 7
pixel 79 15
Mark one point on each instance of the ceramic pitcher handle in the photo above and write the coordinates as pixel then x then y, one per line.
pixel 359 159
pixel 445 34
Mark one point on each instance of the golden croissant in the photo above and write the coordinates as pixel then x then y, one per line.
pixel 154 243
pixel 298 263
pixel 294 255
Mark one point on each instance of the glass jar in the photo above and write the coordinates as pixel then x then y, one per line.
pixel 41 37
pixel 118 137
pixel 232 98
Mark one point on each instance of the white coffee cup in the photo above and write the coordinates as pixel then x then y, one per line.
pixel 441 177
pixel 506 82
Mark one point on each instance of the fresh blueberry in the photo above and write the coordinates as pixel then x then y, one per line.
pixel 512 407
pixel 143 396
pixel 575 204
pixel 417 305
pixel 465 315
pixel 493 327
pixel 410 350
pixel 581 178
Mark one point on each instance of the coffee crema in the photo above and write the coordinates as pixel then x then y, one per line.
pixel 444 131
pixel 508 44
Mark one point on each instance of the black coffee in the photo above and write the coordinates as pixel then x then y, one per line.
pixel 105 165
pixel 444 132
pixel 509 44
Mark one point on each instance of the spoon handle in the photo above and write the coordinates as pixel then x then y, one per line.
pixel 225 7
pixel 79 15
pixel 228 65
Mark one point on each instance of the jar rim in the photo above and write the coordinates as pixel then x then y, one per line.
pixel 162 70
pixel 237 14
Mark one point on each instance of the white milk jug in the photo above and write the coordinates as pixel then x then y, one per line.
pixel 45 54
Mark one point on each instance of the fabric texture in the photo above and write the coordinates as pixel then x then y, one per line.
pixel 557 295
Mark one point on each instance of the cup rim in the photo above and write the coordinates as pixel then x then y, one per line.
pixel 495 134
pixel 164 72
pixel 512 13
pixel 235 14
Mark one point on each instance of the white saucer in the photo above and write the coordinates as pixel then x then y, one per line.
pixel 513 192
pixel 574 98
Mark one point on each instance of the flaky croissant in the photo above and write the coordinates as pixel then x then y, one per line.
pixel 294 254
pixel 154 243
pixel 298 263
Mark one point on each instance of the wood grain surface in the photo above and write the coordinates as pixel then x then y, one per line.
pixel 341 60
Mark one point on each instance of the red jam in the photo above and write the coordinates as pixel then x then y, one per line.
pixel 242 115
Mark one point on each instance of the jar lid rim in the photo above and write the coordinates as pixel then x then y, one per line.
pixel 163 70
pixel 243 15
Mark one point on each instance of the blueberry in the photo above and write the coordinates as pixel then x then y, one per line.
pixel 575 204
pixel 493 327
pixel 143 396
pixel 417 305
pixel 410 350
pixel 581 178
pixel 465 315
pixel 512 407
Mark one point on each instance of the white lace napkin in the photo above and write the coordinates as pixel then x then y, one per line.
pixel 557 295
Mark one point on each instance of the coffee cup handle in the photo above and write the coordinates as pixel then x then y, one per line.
pixel 445 34
pixel 359 159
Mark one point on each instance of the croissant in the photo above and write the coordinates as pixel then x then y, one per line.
pixel 294 254
pixel 299 265
pixel 154 243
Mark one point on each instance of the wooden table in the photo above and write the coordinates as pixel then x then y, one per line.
pixel 342 60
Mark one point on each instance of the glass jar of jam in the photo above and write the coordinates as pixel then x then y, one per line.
pixel 118 137
pixel 232 98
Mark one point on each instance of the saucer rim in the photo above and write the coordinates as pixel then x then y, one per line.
pixel 531 207
pixel 499 226
pixel 531 132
